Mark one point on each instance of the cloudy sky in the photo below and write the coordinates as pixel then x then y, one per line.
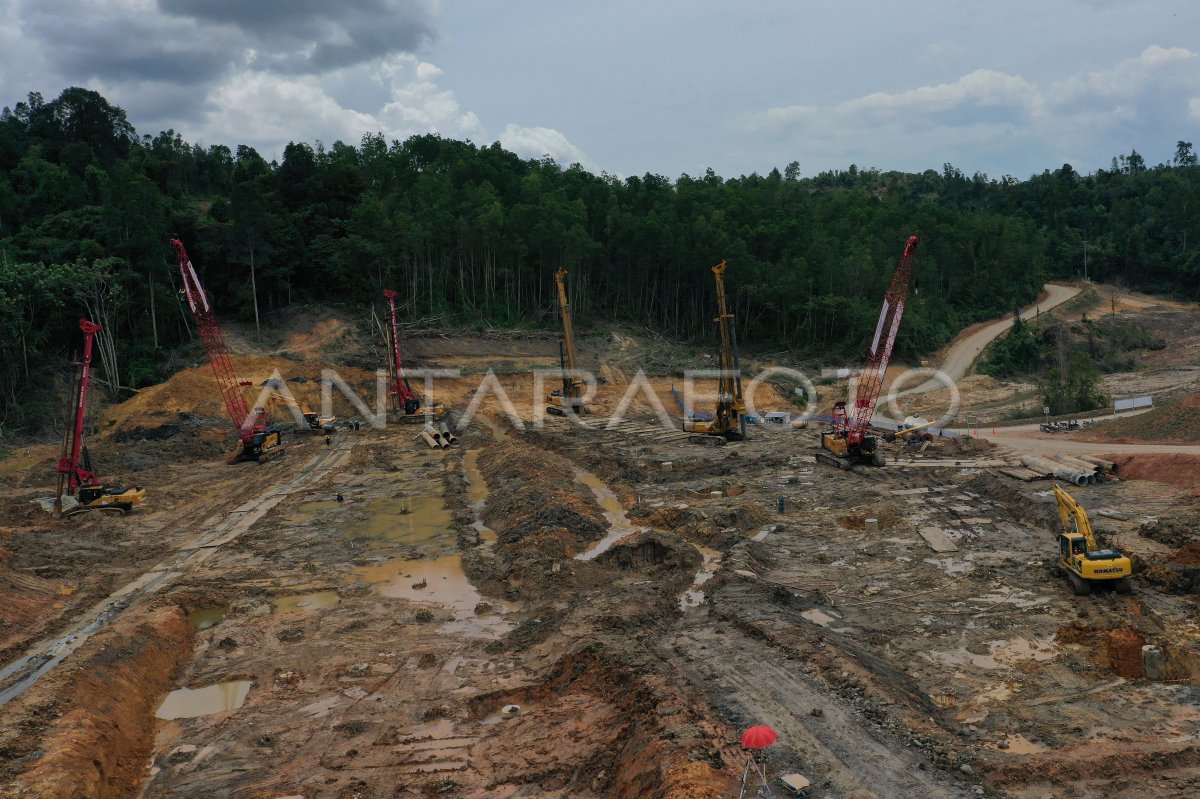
pixel 665 86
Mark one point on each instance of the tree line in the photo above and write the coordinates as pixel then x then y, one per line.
pixel 470 235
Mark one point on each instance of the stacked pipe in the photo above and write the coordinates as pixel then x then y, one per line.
pixel 1107 466
pixel 1079 463
pixel 447 436
pixel 1060 470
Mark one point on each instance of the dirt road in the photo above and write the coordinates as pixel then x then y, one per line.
pixel 961 353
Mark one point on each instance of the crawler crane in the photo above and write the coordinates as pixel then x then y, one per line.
pixel 75 475
pixel 1081 558
pixel 728 422
pixel 569 398
pixel 850 441
pixel 259 440
pixel 404 399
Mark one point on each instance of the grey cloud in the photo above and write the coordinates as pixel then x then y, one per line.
pixel 116 44
pixel 307 36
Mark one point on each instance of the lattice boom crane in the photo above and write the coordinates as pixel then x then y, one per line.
pixel 260 441
pixel 850 441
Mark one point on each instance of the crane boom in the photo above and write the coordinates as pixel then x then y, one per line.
pixel 260 440
pixel 406 398
pixel 218 353
pixel 880 352
pixel 571 383
pixel 729 402
pixel 74 466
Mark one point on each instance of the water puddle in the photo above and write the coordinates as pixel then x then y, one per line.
pixel 299 603
pixel 442 582
pixel 619 526
pixel 694 597
pixel 306 511
pixel 417 520
pixel 477 494
pixel 190 703
pixel 204 618
pixel 1000 653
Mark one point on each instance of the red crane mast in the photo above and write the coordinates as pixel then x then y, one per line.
pixel 406 399
pixel 75 467
pixel 254 429
pixel 850 441
pixel 870 383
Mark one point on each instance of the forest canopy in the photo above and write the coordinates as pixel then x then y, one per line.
pixel 470 235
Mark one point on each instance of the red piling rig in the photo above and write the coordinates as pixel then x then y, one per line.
pixel 406 399
pixel 76 466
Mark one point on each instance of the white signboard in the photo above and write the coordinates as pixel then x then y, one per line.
pixel 1132 403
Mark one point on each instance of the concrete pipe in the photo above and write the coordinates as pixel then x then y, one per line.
pixel 447 435
pixel 1059 470
pixel 1082 465
pixel 1107 466
pixel 428 439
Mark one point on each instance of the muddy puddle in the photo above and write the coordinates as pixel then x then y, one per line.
pixel 190 703
pixel 418 521
pixel 477 494
pixel 1000 654
pixel 307 511
pixel 439 582
pixel 694 596
pixel 204 618
pixel 619 526
pixel 300 603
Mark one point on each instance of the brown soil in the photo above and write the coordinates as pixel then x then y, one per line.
pixel 96 741
pixel 1181 471
pixel 858 521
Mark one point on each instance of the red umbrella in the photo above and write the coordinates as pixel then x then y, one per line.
pixel 758 737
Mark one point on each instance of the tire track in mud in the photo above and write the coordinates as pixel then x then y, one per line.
pixel 43 657
pixel 776 692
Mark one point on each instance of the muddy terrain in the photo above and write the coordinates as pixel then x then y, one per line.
pixel 574 611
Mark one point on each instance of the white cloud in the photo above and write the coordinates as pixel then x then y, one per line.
pixel 417 104
pixel 988 112
pixel 535 142
pixel 266 110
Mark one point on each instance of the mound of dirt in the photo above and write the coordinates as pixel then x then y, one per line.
pixel 99 735
pixel 1174 531
pixel 194 391
pixel 1181 471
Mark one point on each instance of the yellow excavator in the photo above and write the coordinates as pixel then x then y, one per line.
pixel 569 398
pixel 1086 565
pixel 729 421
pixel 313 422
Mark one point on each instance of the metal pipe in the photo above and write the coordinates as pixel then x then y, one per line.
pixel 424 435
pixel 1059 470
pixel 447 435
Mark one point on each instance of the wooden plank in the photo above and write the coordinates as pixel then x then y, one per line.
pixel 937 539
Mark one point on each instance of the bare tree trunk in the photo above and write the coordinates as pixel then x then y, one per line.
pixel 254 289
pixel 153 318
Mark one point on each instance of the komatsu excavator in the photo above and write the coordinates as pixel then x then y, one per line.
pixel 729 421
pixel 76 478
pixel 569 398
pixel 1086 565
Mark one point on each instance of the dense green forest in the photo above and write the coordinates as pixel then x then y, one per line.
pixel 470 235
